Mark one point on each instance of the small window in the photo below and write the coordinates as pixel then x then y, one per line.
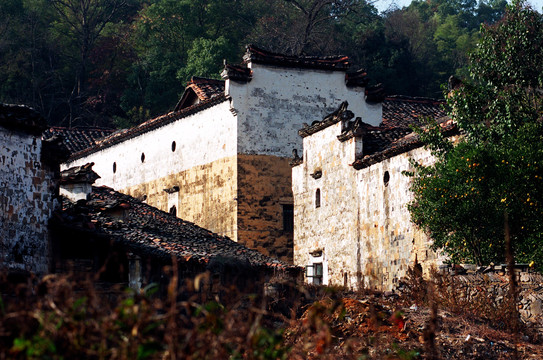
pixel 114 167
pixel 288 217
pixel 386 178
pixel 173 146
pixel 314 273
pixel 173 210
pixel 142 157
pixel 318 198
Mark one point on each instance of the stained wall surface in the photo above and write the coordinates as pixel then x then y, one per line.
pixel 328 230
pixel 275 104
pixel 264 190
pixel 196 154
pixel 206 196
pixel 26 203
pixel 200 139
pixel 362 231
pixel 230 165
pixel 390 242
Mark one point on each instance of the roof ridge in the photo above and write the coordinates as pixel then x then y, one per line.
pixel 82 128
pixel 148 125
pixel 259 55
pixel 413 98
pixel 200 80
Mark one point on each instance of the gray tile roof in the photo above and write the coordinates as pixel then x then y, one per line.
pixel 147 231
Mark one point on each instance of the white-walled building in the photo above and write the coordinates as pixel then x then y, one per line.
pixel 351 222
pixel 221 159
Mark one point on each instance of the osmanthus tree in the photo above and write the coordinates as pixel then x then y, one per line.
pixel 485 193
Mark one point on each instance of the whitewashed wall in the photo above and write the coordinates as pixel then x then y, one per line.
pixel 273 106
pixel 390 241
pixel 363 226
pixel 332 227
pixel 26 203
pixel 200 138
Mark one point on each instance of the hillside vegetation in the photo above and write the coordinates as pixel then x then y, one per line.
pixel 118 62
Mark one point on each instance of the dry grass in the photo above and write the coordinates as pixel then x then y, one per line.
pixel 61 317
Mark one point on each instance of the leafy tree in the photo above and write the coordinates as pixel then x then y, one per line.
pixel 489 187
pixel 79 26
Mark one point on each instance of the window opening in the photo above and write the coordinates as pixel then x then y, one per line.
pixel 288 217
pixel 173 146
pixel 386 178
pixel 114 167
pixel 173 210
pixel 142 157
pixel 314 273
pixel 318 198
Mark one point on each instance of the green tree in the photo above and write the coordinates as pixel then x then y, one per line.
pixel 489 187
pixel 79 25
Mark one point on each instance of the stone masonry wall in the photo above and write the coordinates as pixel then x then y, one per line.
pixel 264 187
pixel 26 203
pixel 490 285
pixel 362 226
pixel 328 233
pixel 206 195
pixel 390 241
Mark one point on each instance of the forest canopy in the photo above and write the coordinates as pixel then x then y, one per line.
pixel 117 62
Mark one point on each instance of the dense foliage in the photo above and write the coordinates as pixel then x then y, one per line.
pixel 491 183
pixel 98 62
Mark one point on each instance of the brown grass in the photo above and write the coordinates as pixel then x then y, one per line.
pixel 62 317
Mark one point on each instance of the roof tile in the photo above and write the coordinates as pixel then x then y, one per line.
pixel 152 232
pixel 77 139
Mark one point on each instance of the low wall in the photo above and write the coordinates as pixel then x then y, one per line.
pixel 492 282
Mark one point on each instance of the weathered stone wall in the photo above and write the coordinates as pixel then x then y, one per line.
pixel 362 226
pixel 390 241
pixel 206 196
pixel 491 287
pixel 264 187
pixel 328 233
pixel 26 203
pixel 273 106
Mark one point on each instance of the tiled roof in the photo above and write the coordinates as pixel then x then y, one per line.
pixel 22 118
pixel 389 143
pixel 399 114
pixel 393 136
pixel 403 111
pixel 79 174
pixel 149 125
pixel 147 231
pixel 77 139
pixel 239 73
pixel 202 89
pixel 261 56
pixel 357 78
